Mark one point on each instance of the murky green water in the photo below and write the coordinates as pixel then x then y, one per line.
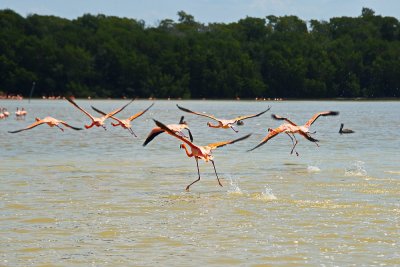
pixel 98 198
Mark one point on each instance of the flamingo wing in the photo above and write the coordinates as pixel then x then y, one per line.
pixel 72 127
pixel 112 113
pixel 168 130
pixel 279 118
pixel 308 137
pixel 154 132
pixel 316 116
pixel 240 118
pixel 33 125
pixel 271 135
pixel 224 143
pixel 196 113
pixel 104 114
pixel 81 109
pixel 131 118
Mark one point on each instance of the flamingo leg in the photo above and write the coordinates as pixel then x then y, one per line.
pixel 216 172
pixel 132 133
pixel 294 144
pixel 198 172
pixel 60 128
pixel 236 131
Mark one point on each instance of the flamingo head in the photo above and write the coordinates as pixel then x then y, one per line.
pixel 239 123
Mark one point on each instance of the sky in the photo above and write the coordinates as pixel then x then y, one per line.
pixel 203 11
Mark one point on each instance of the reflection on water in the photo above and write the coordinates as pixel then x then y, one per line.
pixel 99 198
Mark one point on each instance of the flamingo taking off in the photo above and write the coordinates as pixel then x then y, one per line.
pixel 225 124
pixel 49 121
pixel 344 131
pixel 97 121
pixel 290 128
pixel 177 128
pixel 126 124
pixel 199 152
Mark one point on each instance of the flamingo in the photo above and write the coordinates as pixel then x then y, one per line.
pixel 290 128
pixel 225 124
pixel 97 121
pixel 126 124
pixel 344 131
pixel 199 152
pixel 49 121
pixel 177 128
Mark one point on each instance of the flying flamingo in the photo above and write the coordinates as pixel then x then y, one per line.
pixel 97 121
pixel 290 128
pixel 177 128
pixel 225 124
pixel 49 121
pixel 344 131
pixel 126 124
pixel 199 152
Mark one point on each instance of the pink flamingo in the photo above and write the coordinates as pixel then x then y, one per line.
pixel 199 152
pixel 49 121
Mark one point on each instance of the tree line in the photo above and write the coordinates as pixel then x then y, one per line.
pixel 108 56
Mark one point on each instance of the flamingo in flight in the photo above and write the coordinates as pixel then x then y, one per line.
pixel 199 152
pixel 177 128
pixel 126 124
pixel 290 128
pixel 225 124
pixel 97 121
pixel 49 121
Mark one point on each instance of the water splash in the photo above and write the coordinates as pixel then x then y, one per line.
pixel 357 169
pixel 266 195
pixel 234 188
pixel 313 169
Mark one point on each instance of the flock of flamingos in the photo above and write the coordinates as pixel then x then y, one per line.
pixel 176 130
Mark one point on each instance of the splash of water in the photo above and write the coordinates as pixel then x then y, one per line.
pixel 357 169
pixel 266 195
pixel 234 187
pixel 313 169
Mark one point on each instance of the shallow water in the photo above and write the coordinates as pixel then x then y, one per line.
pixel 99 198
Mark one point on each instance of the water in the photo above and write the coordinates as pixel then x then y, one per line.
pixel 98 198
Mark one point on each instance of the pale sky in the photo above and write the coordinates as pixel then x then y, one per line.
pixel 204 11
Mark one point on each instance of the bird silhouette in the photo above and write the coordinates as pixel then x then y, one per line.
pixel 222 123
pixel 344 131
pixel 199 152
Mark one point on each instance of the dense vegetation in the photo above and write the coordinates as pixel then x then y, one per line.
pixel 106 56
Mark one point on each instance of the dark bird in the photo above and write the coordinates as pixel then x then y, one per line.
pixel 344 131
pixel 199 152
pixel 49 121
pixel 290 128
pixel 225 124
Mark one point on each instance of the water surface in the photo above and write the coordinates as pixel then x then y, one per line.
pixel 96 197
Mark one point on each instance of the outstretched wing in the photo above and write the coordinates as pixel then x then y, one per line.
pixel 33 125
pixel 165 128
pixel 272 134
pixel 112 113
pixel 240 118
pixel 221 144
pixel 308 137
pixel 154 132
pixel 81 109
pixel 279 118
pixel 316 116
pixel 131 118
pixel 104 114
pixel 196 113
pixel 67 125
